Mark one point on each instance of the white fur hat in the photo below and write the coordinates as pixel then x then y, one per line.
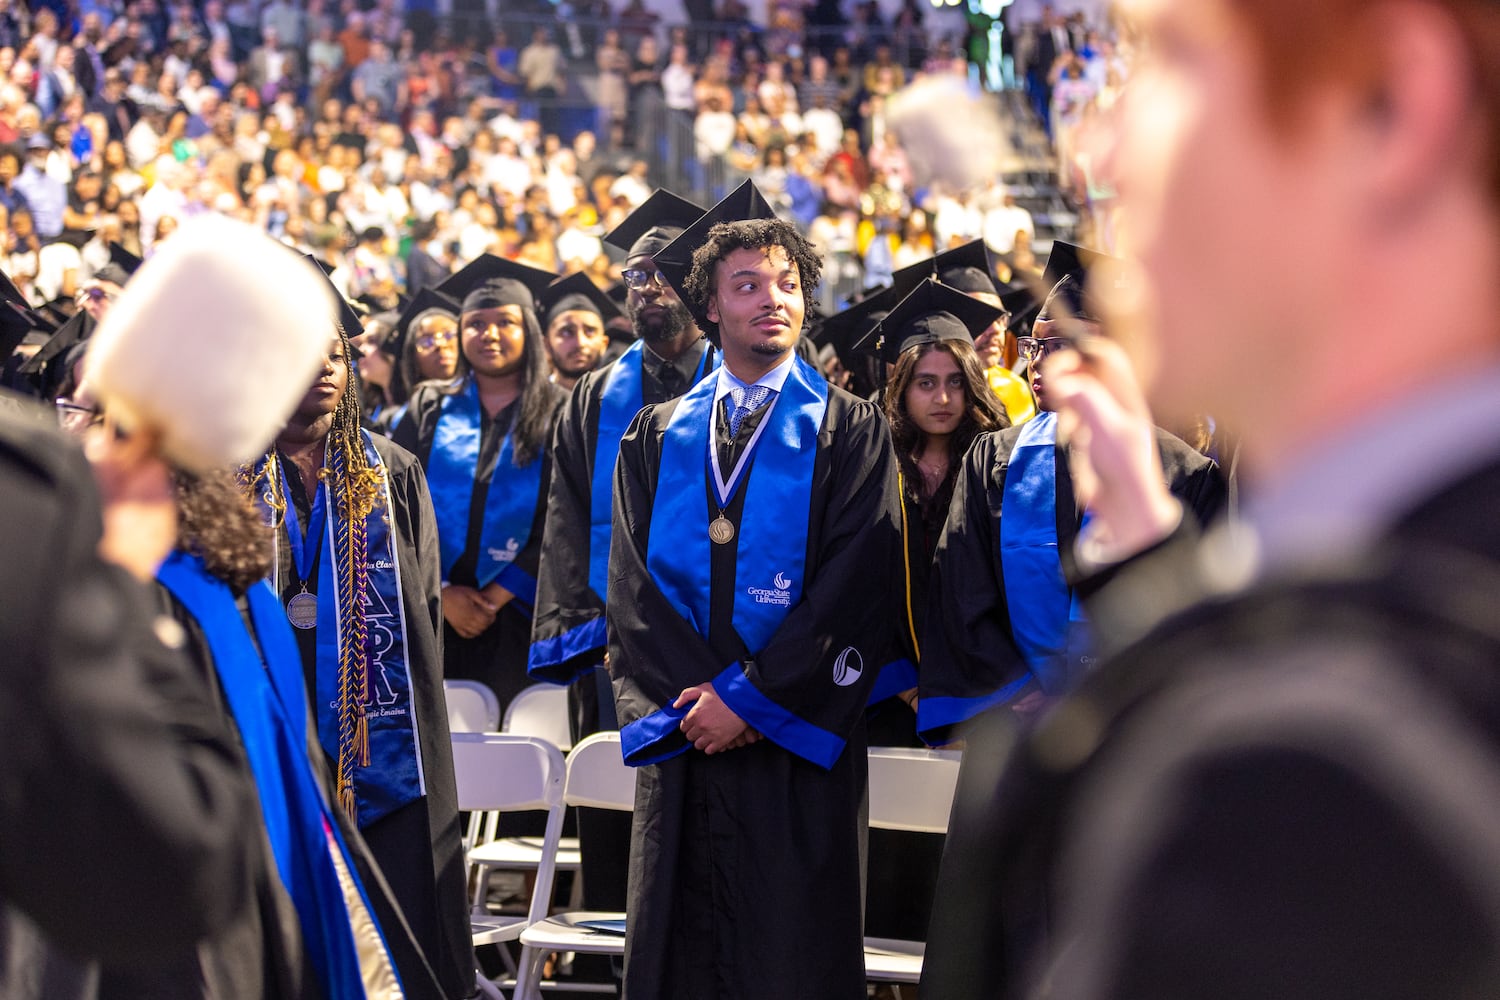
pixel 213 343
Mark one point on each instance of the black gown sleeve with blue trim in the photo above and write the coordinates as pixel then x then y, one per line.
pixel 756 851
pixel 567 629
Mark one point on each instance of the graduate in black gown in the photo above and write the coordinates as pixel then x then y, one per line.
pixel 138 763
pixel 756 525
pixel 567 635
pixel 1005 632
pixel 484 443
pixel 357 572
pixel 670 357
pixel 936 402
pixel 307 927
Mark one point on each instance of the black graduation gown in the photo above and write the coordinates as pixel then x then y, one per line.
pixel 261 954
pixel 565 603
pixel 419 846
pixel 968 651
pixel 567 606
pixel 110 747
pixel 496 656
pixel 967 647
pixel 1263 804
pixel 903 866
pixel 745 865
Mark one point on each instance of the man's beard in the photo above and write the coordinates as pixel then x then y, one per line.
pixel 770 348
pixel 666 325
pixel 567 370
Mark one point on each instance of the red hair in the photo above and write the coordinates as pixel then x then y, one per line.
pixel 1304 44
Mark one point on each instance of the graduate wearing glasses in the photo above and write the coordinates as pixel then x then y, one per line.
pixel 1005 632
pixel 1004 626
pixel 669 356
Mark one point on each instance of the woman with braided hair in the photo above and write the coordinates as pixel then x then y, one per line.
pixel 356 569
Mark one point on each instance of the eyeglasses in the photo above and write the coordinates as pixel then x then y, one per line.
pixel 432 341
pixel 93 294
pixel 638 279
pixel 1033 349
pixel 75 416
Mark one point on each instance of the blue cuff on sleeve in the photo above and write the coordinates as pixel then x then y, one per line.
pixel 520 583
pixel 547 657
pixel 654 738
pixel 895 677
pixel 775 723
pixel 936 712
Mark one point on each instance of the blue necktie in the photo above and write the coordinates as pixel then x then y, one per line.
pixel 746 401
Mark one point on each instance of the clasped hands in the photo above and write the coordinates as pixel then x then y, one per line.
pixel 471 611
pixel 711 725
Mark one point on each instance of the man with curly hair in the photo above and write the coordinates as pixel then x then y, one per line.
pixel 755 521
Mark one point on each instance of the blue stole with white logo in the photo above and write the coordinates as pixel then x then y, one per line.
pixel 771 542
pixel 509 505
pixel 1046 617
pixel 270 710
pixel 619 402
pixel 394 775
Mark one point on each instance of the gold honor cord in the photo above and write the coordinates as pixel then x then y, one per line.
pixel 911 622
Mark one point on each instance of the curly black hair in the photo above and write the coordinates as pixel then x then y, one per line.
pixel 217 522
pixel 750 234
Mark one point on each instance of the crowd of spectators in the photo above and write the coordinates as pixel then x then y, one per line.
pixel 400 146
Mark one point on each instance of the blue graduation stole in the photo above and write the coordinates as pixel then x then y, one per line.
pixel 394 775
pixel 1046 617
pixel 770 553
pixel 509 506
pixel 270 711
pixel 771 543
pixel 619 402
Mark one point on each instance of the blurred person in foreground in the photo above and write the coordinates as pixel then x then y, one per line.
pixel 1281 783
pixel 117 769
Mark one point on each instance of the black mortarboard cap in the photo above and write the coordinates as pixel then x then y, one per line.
pixel 1072 281
pixel 10 293
pixel 967 268
pixel 349 319
pixel 426 300
pixel 844 329
pixel 675 260
pixel 576 291
pixel 660 220
pixel 323 265
pixel 122 264
pixel 932 313
pixel 16 321
pixel 46 369
pixel 488 282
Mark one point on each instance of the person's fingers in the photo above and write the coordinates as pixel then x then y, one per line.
pixel 1108 362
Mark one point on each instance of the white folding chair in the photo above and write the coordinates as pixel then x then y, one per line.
pixel 909 790
pixel 540 710
pixel 496 773
pixel 597 779
pixel 472 707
